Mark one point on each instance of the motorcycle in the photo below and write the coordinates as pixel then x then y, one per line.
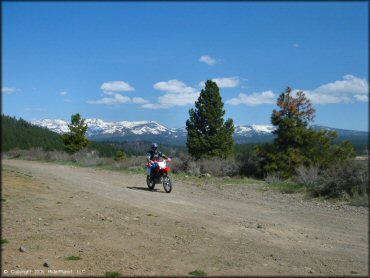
pixel 157 172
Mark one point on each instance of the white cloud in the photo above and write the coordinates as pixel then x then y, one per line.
pixel 173 86
pixel 171 100
pixel 362 98
pixel 138 100
pixel 63 93
pixel 267 97
pixel 177 94
pixel 208 60
pixel 116 86
pixel 225 82
pixel 111 89
pixel 317 98
pixel 349 84
pixel 114 99
pixel 8 90
pixel 349 89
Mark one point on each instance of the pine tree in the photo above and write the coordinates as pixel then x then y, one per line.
pixel 75 139
pixel 208 134
pixel 297 144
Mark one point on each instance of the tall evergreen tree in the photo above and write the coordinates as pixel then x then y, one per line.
pixel 208 134
pixel 297 144
pixel 75 139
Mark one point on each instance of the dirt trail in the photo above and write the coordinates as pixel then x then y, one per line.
pixel 113 223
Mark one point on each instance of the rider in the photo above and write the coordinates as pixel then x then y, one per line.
pixel 153 156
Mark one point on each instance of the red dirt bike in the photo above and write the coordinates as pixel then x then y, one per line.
pixel 158 173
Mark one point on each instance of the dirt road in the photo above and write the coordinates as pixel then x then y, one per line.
pixel 113 224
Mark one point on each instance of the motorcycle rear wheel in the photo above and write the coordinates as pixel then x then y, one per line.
pixel 167 184
pixel 150 183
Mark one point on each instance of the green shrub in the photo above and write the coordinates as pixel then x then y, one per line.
pixel 198 273
pixel 120 155
pixel 285 186
pixel 113 274
pixel 73 258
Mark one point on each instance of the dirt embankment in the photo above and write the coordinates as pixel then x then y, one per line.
pixel 109 222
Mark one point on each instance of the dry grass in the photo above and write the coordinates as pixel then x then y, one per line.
pixel 307 176
pixel 214 166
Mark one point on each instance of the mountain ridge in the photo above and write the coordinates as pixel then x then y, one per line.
pixel 99 129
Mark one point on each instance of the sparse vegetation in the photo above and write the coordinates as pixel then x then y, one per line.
pixel 350 179
pixel 198 273
pixel 113 274
pixel 213 166
pixel 284 186
pixel 73 258
pixel 4 241
pixel 307 176
pixel 358 200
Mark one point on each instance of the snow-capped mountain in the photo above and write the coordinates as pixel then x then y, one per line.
pixel 136 130
pixel 98 128
pixel 250 130
pixel 150 130
pixel 58 126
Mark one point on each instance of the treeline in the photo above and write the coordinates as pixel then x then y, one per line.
pixel 20 134
pixel 360 143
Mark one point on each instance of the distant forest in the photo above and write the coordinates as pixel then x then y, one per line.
pixel 20 134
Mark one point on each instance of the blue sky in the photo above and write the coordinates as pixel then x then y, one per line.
pixel 147 61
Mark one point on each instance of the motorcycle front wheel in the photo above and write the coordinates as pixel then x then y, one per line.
pixel 167 184
pixel 149 182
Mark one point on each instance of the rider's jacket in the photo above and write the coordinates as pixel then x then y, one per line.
pixel 155 155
